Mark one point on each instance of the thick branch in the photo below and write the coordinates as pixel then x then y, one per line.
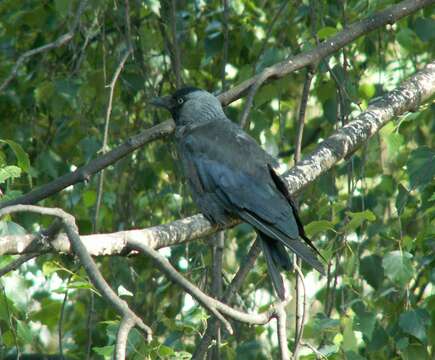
pixel 413 92
pixel 86 260
pixel 328 47
pixel 343 143
pixel 351 33
pixel 85 172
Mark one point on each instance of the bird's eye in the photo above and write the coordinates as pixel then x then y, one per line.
pixel 180 100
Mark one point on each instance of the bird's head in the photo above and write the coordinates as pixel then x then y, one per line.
pixel 190 105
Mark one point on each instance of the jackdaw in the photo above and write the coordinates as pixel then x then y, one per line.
pixel 230 175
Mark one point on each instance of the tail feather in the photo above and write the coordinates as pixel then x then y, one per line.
pixel 273 271
pixel 295 245
pixel 280 255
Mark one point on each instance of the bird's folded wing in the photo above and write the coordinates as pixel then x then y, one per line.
pixel 236 172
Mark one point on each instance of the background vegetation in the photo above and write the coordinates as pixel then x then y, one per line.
pixel 372 216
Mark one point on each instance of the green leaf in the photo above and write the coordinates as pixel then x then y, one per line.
pixel 9 172
pixel 22 157
pixel 11 228
pixel 24 332
pixel 47 314
pixel 365 322
pixel 265 94
pixel 401 199
pixel 367 91
pixel 79 284
pixel 63 7
pixel 393 141
pixel 415 322
pixel 89 197
pixel 321 226
pixel 425 28
pixel 398 267
pixel 49 268
pixel 349 340
pixel 326 32
pixel 421 166
pixel 165 351
pixel 371 269
pixel 324 323
pixel 358 218
pixel 379 339
pixel 407 38
pixel 352 355
pixel 415 352
pixel 106 351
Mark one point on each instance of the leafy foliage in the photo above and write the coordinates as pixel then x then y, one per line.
pixel 371 216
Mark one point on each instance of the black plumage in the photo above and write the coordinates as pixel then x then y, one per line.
pixel 230 175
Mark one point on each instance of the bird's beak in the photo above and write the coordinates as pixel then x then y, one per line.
pixel 164 102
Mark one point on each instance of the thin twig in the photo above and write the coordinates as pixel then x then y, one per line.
pixel 216 284
pixel 388 16
pixel 226 44
pixel 216 307
pixel 176 47
pixel 111 87
pixel 231 290
pixel 127 323
pixel 16 263
pixel 89 325
pixel 62 315
pixel 244 117
pixel 281 324
pixel 299 307
pixel 90 34
pixel 302 110
pixel 300 328
pixel 281 9
pixel 60 41
pixel 86 260
pixel 326 48
pixel 319 355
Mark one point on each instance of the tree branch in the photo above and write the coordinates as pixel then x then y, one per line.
pixel 216 307
pixel 111 87
pixel 328 47
pixel 86 260
pixel 281 318
pixel 300 295
pixel 60 41
pixel 85 172
pixel 387 16
pixel 127 323
pixel 341 39
pixel 176 46
pixel 342 144
pixel 231 290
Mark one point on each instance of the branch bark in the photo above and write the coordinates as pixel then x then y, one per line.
pixel 70 227
pixel 279 70
pixel 342 144
pixel 328 47
pixel 85 172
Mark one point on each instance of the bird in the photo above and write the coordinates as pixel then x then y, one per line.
pixel 231 176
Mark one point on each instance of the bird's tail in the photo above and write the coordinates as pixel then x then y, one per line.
pixel 277 258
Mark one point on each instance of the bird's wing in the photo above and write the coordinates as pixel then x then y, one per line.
pixel 232 166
